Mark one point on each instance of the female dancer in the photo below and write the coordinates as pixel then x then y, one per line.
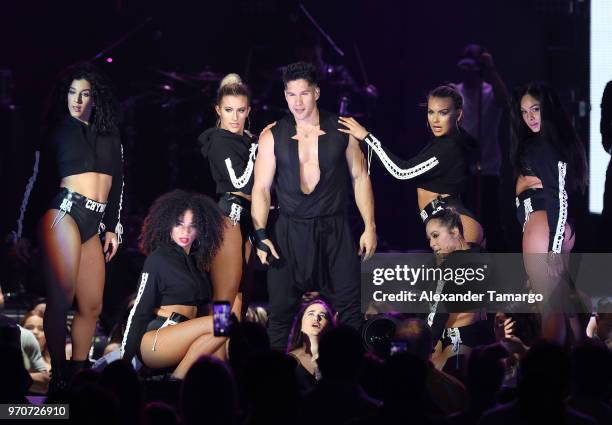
pixel 456 332
pixel 87 155
pixel 549 161
pixel 440 170
pixel 230 150
pixel 314 317
pixel 180 236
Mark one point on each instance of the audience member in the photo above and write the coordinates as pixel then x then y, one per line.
pixel 159 413
pixel 33 362
pixel 271 389
pixel 15 378
pixel 407 403
pixel 446 391
pixel 33 321
pixel 121 380
pixel 312 319
pixel 542 389
pixel 208 394
pixel 485 374
pixel 338 393
pixel 591 378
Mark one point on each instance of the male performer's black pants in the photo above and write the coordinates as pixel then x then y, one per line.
pixel 317 254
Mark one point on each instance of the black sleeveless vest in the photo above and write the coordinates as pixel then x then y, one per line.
pixel 330 196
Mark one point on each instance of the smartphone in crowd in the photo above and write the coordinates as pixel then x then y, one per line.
pixel 398 347
pixel 221 318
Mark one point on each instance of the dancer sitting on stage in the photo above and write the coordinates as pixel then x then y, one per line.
pixel 83 156
pixel 549 161
pixel 454 333
pixel 180 236
pixel 314 317
pixel 231 154
pixel 441 169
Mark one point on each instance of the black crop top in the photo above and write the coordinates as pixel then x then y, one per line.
pixel 539 158
pixel 442 166
pixel 231 158
pixel 455 260
pixel 78 148
pixel 75 148
pixel 169 276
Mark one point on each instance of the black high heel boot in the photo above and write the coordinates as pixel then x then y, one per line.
pixel 60 379
pixel 75 366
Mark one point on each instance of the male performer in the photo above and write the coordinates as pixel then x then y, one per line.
pixel 310 247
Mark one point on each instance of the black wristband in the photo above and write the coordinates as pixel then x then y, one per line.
pixel 260 235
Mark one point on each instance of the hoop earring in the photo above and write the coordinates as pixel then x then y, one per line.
pixel 249 124
pixel 218 124
pixel 195 244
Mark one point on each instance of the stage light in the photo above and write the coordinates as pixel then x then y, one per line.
pixel 109 60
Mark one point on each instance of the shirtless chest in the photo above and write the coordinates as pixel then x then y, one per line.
pixel 308 153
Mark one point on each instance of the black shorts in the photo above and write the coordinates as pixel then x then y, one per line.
pixel 161 322
pixel 440 203
pixel 528 201
pixel 86 212
pixel 237 209
pixel 478 333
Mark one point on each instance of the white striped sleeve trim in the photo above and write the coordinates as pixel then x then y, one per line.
pixel 393 168
pixel 560 230
pixel 119 226
pixel 240 182
pixel 143 282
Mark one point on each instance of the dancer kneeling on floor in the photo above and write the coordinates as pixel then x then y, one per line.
pixel 180 235
pixel 454 333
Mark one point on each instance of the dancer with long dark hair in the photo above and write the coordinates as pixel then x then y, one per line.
pixel 313 318
pixel 84 152
pixel 549 161
pixel 454 333
pixel 230 150
pixel 441 169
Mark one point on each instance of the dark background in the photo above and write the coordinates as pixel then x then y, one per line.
pixel 407 49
